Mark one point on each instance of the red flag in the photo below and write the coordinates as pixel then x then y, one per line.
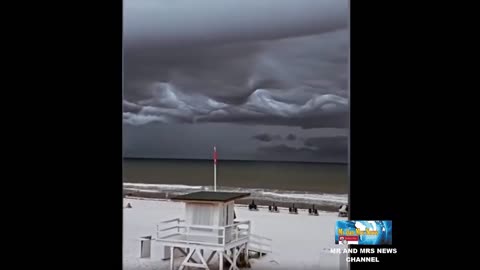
pixel 214 155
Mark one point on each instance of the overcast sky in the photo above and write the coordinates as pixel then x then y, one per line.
pixel 261 80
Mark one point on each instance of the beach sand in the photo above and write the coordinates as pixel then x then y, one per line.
pixel 298 241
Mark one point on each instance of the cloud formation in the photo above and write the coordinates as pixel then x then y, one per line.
pixel 271 67
pixel 293 82
pixel 264 137
pixel 165 23
pixel 326 149
pixel 291 137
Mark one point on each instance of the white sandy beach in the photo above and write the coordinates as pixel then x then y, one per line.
pixel 299 241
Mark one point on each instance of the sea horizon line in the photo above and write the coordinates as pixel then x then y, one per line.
pixel 236 160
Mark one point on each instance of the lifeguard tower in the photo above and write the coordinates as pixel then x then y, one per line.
pixel 208 227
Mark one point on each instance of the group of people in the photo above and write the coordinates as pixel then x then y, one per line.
pixel 313 211
pixel 272 208
pixel 292 210
pixel 252 206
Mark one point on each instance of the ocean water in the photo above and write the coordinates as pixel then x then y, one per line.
pixel 292 176
pixel 320 183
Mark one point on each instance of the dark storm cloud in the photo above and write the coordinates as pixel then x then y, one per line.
pixel 292 82
pixel 291 137
pixel 220 72
pixel 129 107
pixel 156 23
pixel 329 149
pixel 264 137
pixel 327 143
pixel 282 152
pixel 233 141
pixel 199 73
pixel 284 149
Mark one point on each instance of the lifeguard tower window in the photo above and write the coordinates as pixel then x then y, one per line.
pixel 202 214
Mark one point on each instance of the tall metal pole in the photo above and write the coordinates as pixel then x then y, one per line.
pixel 215 168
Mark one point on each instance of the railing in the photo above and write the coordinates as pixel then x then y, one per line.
pixel 260 243
pixel 166 222
pixel 202 234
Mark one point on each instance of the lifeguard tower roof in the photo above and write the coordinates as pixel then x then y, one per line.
pixel 211 196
